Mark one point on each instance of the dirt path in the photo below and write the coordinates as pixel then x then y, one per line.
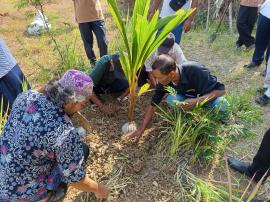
pixel 135 171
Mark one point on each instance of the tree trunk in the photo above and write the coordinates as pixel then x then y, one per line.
pixel 132 103
pixel 208 14
pixel 230 17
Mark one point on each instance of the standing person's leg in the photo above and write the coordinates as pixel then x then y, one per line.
pixel 87 37
pixel 242 27
pixel 265 98
pixel 260 164
pixel 267 52
pixel 262 39
pixel 178 32
pixel 99 30
pixel 261 161
pixel 252 18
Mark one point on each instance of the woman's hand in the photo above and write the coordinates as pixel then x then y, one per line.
pixel 102 192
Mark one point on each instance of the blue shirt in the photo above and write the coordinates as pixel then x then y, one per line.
pixel 39 148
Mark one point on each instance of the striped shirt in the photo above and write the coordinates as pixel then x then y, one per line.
pixel 7 61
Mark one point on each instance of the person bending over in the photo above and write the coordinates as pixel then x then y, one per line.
pixel 169 47
pixel 108 77
pixel 41 151
pixel 193 84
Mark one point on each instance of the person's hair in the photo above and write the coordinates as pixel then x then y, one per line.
pixel 169 41
pixel 165 64
pixel 59 95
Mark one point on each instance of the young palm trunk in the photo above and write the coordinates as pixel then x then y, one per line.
pixel 132 103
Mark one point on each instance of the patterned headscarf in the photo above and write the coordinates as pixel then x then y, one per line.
pixel 77 81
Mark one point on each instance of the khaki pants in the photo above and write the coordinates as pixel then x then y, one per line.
pixel 267 80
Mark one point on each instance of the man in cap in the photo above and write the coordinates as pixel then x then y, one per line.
pixel 168 47
pixel 109 78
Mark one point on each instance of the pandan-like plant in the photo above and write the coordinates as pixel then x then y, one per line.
pixel 141 38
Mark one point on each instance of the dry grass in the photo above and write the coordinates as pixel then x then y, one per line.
pixel 112 160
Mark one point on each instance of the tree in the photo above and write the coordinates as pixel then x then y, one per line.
pixel 141 36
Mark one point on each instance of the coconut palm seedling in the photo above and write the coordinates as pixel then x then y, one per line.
pixel 141 36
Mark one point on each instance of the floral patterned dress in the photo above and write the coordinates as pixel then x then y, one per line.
pixel 39 148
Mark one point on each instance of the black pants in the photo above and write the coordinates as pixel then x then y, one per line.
pixel 246 19
pixel 98 28
pixel 261 162
pixel 262 42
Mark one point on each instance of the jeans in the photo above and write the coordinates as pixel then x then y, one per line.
pixel 98 28
pixel 262 41
pixel 261 161
pixel 178 32
pixel 220 103
pixel 246 19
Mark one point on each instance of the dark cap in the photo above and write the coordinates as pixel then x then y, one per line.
pixel 167 44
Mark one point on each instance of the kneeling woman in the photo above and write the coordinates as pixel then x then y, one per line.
pixel 40 149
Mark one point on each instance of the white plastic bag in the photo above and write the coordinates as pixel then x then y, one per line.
pixel 38 26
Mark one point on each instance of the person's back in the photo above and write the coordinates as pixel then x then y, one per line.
pixel 89 16
pixel 31 144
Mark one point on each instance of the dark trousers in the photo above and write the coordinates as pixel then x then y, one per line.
pixel 98 28
pixel 261 162
pixel 246 19
pixel 11 87
pixel 262 41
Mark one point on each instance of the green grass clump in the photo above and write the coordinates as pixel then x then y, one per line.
pixel 206 132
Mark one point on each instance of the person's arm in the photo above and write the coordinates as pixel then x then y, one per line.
pixel 190 19
pixel 124 94
pixel 154 6
pixel 150 111
pixel 118 102
pixel 96 100
pixel 89 185
pixel 105 109
pixel 189 104
pixel 152 79
pixel 148 116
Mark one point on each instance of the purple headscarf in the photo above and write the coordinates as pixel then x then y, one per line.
pixel 77 81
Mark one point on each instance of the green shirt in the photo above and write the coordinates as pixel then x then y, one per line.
pixel 101 74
